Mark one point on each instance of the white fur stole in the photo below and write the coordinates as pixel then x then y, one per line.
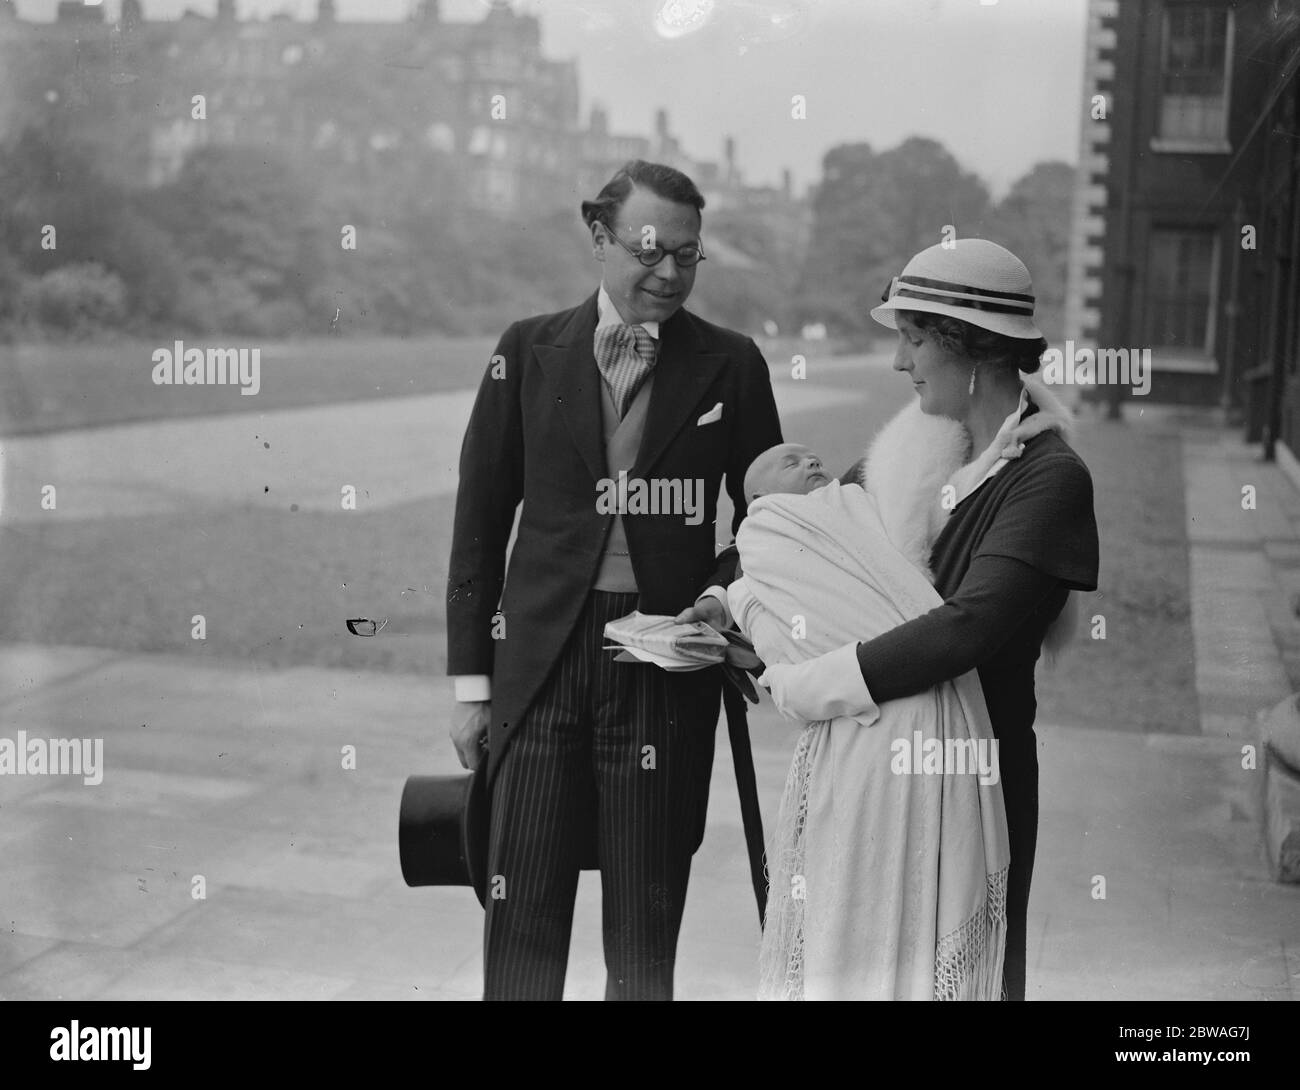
pixel 914 455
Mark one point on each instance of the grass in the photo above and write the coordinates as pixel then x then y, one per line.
pixel 274 588
pixel 47 388
pixel 1143 674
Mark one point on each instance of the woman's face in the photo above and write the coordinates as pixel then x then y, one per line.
pixel 941 380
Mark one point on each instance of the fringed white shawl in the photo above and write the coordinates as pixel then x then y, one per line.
pixel 885 883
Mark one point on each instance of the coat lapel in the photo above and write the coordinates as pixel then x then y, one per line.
pixel 570 368
pixel 683 373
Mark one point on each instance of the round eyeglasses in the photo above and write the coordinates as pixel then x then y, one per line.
pixel 686 256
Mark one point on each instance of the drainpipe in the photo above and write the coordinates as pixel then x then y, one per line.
pixel 1233 307
pixel 1277 385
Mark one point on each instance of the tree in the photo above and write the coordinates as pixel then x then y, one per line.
pixel 242 221
pixel 871 213
pixel 1033 221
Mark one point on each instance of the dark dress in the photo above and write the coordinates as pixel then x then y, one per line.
pixel 1004 563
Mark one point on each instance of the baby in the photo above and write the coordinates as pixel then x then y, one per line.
pixel 786 467
pixel 910 500
pixel 794 468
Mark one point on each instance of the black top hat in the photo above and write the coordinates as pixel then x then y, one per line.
pixel 442 831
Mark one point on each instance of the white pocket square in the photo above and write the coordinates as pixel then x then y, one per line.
pixel 712 416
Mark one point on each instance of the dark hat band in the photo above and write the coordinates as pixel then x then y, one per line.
pixel 960 295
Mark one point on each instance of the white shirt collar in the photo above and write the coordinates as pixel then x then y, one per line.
pixel 967 479
pixel 607 314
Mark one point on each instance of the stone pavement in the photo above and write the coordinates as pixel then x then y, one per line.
pixel 234 775
pixel 1243 532
pixel 392 450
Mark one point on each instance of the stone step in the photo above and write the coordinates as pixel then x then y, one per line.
pixel 1281 818
pixel 1280 729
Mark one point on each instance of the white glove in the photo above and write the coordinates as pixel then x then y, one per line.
pixel 823 688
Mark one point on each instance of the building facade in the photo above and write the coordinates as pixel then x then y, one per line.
pixel 497 121
pixel 143 94
pixel 1184 232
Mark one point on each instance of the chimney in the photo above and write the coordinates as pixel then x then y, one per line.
pixel 661 134
pixel 130 15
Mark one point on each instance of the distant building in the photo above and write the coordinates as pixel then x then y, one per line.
pixel 480 99
pixel 1186 224
pixel 481 94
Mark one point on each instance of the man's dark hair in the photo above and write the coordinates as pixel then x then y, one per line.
pixel 662 180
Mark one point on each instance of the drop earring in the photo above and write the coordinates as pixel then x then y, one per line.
pixel 971 389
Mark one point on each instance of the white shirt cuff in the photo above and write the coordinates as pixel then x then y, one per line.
pixel 473 688
pixel 720 593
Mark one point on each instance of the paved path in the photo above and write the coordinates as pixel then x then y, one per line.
pixel 234 774
pixel 391 451
pixel 1243 525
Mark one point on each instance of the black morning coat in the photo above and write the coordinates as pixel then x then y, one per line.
pixel 535 435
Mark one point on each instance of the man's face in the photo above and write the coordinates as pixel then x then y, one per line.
pixel 786 467
pixel 647 294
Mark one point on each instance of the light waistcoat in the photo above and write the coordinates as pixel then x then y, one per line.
pixel 622 441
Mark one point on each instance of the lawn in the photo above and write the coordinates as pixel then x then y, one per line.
pixel 55 387
pixel 275 588
pixel 1143 673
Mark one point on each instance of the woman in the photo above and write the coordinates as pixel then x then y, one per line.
pixel 1015 537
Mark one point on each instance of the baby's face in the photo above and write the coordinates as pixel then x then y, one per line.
pixel 787 467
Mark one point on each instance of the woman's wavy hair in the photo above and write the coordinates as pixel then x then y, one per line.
pixel 980 346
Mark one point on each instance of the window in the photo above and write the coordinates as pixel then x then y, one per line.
pixel 1181 297
pixel 441 136
pixel 1196 67
pixel 499 189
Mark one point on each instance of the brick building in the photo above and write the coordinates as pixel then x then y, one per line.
pixel 1184 238
pixel 480 100
pixel 481 95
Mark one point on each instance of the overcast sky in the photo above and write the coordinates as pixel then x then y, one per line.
pixel 999 84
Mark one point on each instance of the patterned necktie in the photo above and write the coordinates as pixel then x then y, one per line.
pixel 625 355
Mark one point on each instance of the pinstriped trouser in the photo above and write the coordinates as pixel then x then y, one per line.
pixel 579 769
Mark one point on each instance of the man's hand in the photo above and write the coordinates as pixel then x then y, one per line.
pixel 469 727
pixel 708 609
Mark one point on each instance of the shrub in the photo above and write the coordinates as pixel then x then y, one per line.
pixel 76 300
